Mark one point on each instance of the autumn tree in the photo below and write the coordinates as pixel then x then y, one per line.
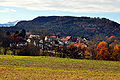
pixel 116 52
pixel 31 50
pixel 72 51
pixel 42 33
pixel 92 49
pixel 79 44
pixel 102 51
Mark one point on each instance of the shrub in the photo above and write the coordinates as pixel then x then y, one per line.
pixel 31 50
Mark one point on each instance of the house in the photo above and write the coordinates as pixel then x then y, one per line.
pixel 34 36
pixel 66 39
pixel 50 38
pixel 69 38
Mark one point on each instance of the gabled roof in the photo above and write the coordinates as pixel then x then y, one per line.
pixel 31 36
pixel 64 39
pixel 68 37
pixel 53 36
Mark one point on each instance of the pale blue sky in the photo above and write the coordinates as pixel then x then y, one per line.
pixel 12 10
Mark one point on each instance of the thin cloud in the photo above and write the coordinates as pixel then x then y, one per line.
pixel 7 10
pixel 66 5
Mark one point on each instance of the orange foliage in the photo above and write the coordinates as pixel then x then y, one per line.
pixel 83 47
pixel 102 44
pixel 111 37
pixel 102 51
pixel 116 48
pixel 71 46
pixel 115 52
pixel 79 44
pixel 103 54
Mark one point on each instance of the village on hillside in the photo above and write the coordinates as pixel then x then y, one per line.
pixel 46 43
pixel 27 43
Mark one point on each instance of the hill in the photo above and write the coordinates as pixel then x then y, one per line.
pixel 72 26
pixel 53 68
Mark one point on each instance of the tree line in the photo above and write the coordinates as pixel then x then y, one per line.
pixel 98 48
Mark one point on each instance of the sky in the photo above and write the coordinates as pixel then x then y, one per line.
pixel 12 10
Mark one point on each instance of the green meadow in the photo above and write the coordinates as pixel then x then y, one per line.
pixel 54 68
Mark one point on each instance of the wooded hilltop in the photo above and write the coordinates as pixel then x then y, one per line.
pixel 71 26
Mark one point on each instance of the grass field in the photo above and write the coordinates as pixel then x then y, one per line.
pixel 52 68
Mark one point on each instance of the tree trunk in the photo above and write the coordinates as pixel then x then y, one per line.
pixel 5 52
pixel 13 52
pixel 43 46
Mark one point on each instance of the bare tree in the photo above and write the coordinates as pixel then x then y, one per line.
pixel 42 33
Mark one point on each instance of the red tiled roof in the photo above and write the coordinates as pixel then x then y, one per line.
pixel 64 39
pixel 68 37
pixel 75 44
pixel 53 36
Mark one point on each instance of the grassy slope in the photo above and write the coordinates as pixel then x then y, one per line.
pixel 49 68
